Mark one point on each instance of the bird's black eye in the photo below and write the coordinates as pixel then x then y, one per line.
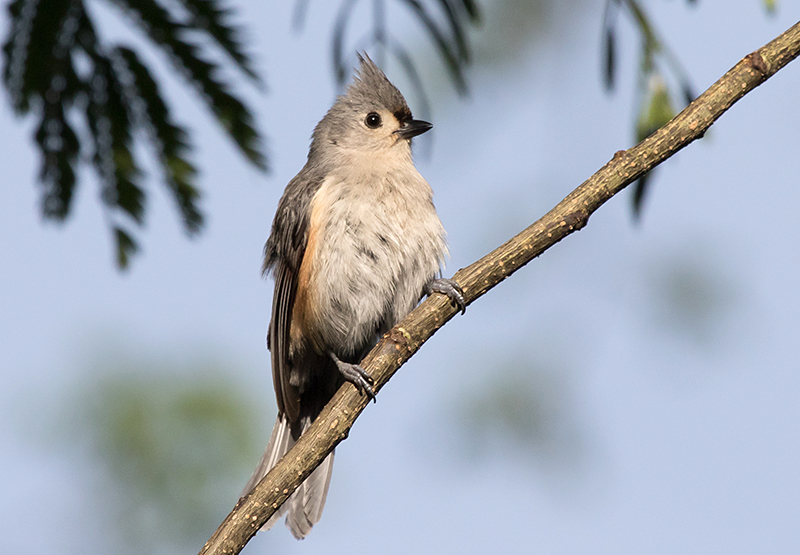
pixel 373 120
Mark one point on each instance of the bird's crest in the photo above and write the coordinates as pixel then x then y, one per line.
pixel 371 86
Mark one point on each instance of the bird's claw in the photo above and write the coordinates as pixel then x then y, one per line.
pixel 357 376
pixel 450 288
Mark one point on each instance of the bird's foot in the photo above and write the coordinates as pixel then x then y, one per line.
pixel 356 375
pixel 450 288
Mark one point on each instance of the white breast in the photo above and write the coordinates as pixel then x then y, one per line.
pixel 378 243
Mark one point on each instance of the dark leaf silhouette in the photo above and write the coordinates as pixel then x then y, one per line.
pixel 639 190
pixel 171 140
pixel 57 68
pixel 610 58
pixel 171 35
pixel 688 93
pixel 610 43
pixel 126 247
pixel 209 16
pixel 661 77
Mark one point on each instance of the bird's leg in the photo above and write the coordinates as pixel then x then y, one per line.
pixel 356 375
pixel 450 288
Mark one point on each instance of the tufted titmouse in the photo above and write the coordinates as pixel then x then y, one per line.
pixel 354 246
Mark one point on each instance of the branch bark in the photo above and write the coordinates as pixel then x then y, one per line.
pixel 571 214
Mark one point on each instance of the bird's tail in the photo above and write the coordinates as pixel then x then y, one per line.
pixel 305 505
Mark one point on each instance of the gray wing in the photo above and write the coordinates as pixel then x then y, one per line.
pixel 283 255
pixel 287 395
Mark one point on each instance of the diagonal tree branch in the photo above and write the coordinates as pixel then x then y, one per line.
pixel 571 214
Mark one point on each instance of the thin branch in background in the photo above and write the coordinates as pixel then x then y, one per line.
pixel 452 60
pixel 404 58
pixel 340 67
pixel 457 30
pixel 379 30
pixel 451 43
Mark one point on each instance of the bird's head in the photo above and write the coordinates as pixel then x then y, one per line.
pixel 372 117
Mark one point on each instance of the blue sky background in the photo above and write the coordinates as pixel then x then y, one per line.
pixel 650 371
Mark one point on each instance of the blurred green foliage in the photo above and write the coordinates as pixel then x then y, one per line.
pixel 656 109
pixel 177 451
pixel 696 297
pixel 523 407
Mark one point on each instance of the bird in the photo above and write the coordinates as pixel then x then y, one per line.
pixel 355 244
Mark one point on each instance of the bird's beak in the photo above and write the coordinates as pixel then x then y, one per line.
pixel 412 128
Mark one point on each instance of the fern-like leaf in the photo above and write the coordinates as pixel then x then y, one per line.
pixel 230 112
pixel 171 140
pixel 56 66
pixel 210 16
